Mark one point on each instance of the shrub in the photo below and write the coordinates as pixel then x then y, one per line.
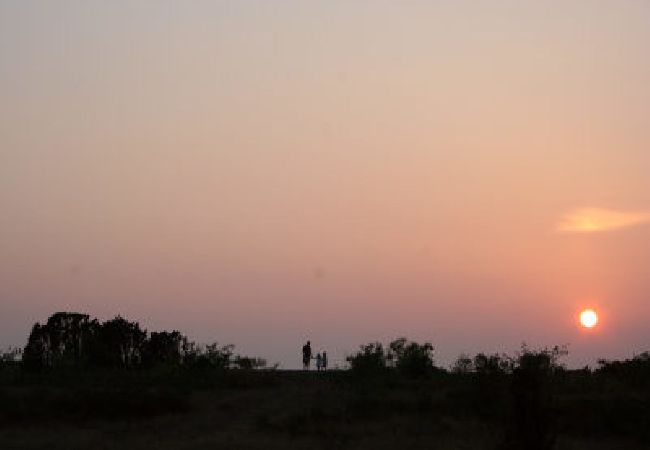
pixel 412 359
pixel 533 422
pixel 211 356
pixel 248 363
pixel 463 365
pixel 369 360
pixel 163 348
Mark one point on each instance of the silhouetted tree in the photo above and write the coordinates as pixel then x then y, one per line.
pixel 61 341
pixel 533 424
pixel 369 360
pixel 211 356
pixel 633 372
pixel 412 359
pixel 118 343
pixel 491 384
pixel 163 348
pixel 72 339
pixel 492 365
pixel 36 354
pixel 463 365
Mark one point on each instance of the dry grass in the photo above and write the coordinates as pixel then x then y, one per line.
pixel 286 411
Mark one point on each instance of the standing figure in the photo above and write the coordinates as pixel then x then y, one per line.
pixel 306 355
pixel 319 362
pixel 323 361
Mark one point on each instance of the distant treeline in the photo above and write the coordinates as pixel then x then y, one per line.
pixel 530 397
pixel 76 340
pixel 416 360
pixel 70 339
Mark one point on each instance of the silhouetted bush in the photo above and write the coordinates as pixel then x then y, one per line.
pixel 79 367
pixel 492 365
pixel 533 421
pixel 369 360
pixel 117 343
pixel 211 356
pixel 408 358
pixel 248 363
pixel 463 365
pixel 412 359
pixel 162 348
pixel 491 384
pixel 65 340
pixel 72 340
pixel 635 371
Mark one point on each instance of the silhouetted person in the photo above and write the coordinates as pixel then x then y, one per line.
pixel 306 355
pixel 319 362
pixel 323 361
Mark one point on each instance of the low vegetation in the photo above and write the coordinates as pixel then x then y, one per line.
pixel 85 384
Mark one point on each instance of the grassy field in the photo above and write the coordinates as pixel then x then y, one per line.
pixel 171 409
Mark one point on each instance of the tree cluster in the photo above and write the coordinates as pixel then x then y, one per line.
pixel 407 357
pixel 73 339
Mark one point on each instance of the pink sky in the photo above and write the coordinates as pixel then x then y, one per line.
pixel 261 173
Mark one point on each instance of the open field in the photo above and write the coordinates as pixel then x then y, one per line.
pixel 285 409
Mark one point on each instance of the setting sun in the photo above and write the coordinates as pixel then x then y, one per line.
pixel 588 318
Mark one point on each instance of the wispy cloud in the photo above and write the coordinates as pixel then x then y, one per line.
pixel 591 220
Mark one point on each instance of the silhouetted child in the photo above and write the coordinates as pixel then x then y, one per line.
pixel 323 361
pixel 319 362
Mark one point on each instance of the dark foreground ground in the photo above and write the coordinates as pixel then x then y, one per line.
pixel 171 409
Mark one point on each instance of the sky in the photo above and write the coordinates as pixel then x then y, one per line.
pixel 261 173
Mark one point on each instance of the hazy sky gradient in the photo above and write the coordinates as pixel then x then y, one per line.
pixel 260 173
